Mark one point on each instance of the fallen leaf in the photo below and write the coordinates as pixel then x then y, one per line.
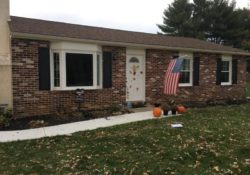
pixel 197 163
pixel 247 161
pixel 216 168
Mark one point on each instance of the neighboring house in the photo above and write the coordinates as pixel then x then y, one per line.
pixel 49 60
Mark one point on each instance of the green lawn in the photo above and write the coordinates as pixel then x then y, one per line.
pixel 214 140
pixel 248 89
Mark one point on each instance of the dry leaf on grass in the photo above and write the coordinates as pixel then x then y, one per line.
pixel 247 161
pixel 216 168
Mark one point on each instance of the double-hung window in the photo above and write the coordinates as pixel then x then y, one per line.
pixel 226 70
pixel 75 66
pixel 186 72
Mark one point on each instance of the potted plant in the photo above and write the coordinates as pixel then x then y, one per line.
pixel 165 107
pixel 172 107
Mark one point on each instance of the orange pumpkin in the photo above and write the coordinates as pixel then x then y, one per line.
pixel 157 112
pixel 181 109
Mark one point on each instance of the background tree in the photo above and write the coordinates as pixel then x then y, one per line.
pixel 222 23
pixel 243 40
pixel 200 19
pixel 217 21
pixel 177 20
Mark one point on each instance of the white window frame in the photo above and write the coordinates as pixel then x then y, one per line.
pixel 62 66
pixel 229 59
pixel 100 70
pixel 188 56
pixel 52 69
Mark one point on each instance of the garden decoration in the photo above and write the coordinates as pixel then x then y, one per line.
pixel 157 110
pixel 79 97
pixel 181 109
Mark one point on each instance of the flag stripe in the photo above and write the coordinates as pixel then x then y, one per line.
pixel 168 75
pixel 172 75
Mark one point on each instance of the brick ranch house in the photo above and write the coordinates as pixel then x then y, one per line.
pixel 49 60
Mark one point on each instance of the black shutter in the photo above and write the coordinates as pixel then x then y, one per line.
pixel 234 71
pixel 44 68
pixel 196 73
pixel 218 72
pixel 107 69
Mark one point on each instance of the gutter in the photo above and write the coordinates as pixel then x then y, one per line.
pixel 122 44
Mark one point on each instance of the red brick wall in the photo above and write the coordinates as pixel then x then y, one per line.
pixel 29 101
pixel 206 92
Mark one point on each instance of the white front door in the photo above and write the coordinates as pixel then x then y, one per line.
pixel 135 72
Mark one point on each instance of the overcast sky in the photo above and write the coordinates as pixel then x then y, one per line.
pixel 134 15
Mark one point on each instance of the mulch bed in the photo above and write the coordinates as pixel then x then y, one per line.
pixel 51 120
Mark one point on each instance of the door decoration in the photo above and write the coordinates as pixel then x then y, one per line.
pixel 135 66
pixel 135 79
pixel 134 69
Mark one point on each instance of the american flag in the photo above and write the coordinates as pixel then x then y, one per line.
pixel 172 76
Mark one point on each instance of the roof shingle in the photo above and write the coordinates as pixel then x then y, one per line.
pixel 59 29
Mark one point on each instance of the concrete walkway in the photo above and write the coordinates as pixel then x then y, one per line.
pixel 66 129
